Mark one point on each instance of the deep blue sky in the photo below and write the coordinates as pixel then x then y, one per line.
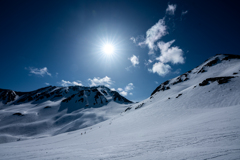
pixel 66 37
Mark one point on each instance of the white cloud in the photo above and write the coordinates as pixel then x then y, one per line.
pixel 177 71
pixel 156 82
pixel 124 93
pixel 96 81
pixel 184 12
pixel 113 89
pixel 133 39
pixel 160 68
pixel 47 84
pixel 153 34
pixel 68 83
pixel 171 9
pixel 41 71
pixel 129 87
pixel 148 62
pixel 120 89
pixel 168 54
pixel 173 54
pixel 137 39
pixel 135 60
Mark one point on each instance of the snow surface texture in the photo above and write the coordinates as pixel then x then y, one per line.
pixel 193 119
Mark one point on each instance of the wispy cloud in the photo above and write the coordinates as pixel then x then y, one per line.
pixel 168 54
pixel 47 84
pixel 129 87
pixel 153 34
pixel 40 72
pixel 125 91
pixel 184 12
pixel 96 81
pixel 171 9
pixel 137 39
pixel 148 62
pixel 134 60
pixel 68 83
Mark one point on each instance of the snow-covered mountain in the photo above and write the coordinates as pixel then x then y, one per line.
pixel 192 116
pixel 53 110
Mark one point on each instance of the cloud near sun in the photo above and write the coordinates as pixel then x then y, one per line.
pixel 168 54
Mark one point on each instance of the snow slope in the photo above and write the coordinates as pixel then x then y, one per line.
pixel 197 118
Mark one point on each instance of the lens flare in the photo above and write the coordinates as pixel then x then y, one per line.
pixel 108 49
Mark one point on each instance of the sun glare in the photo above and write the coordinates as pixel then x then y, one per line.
pixel 108 49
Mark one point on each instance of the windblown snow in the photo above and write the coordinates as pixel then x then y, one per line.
pixel 193 116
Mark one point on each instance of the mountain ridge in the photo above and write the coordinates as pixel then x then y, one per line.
pixel 54 93
pixel 199 69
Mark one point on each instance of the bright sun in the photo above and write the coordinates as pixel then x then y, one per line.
pixel 108 49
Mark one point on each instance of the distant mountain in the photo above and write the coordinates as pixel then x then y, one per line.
pixel 59 109
pixel 79 97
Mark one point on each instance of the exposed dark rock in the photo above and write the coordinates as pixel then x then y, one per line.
pixel 178 80
pixel 94 90
pixel 139 106
pixel 231 56
pixel 128 109
pixel 81 99
pixel 81 93
pixel 179 95
pixel 47 107
pixel 161 87
pixel 30 98
pixel 18 114
pixel 118 97
pixel 57 96
pixel 220 80
pixel 213 62
pixel 68 99
pixel 104 92
pixel 235 73
pixel 202 70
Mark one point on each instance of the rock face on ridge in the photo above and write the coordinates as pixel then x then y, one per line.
pixel 201 69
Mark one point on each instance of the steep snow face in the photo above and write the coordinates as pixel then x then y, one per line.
pixel 194 119
pixel 53 110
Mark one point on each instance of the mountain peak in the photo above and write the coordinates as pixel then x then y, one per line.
pixel 205 71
